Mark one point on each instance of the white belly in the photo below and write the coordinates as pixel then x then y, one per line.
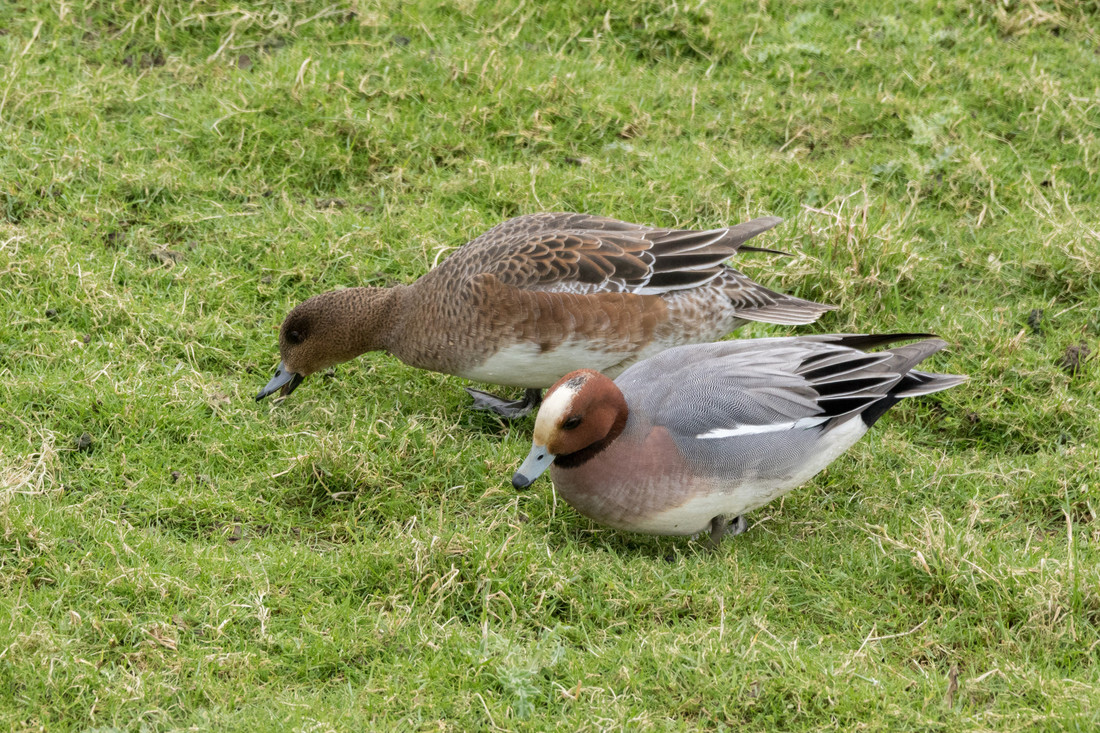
pixel 525 365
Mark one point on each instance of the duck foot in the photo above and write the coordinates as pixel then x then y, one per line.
pixel 508 409
pixel 719 528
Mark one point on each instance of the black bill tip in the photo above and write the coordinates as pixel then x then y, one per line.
pixel 283 379
pixel 519 481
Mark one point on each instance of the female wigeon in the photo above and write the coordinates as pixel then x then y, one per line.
pixel 695 437
pixel 539 296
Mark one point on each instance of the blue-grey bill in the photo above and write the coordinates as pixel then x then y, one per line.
pixel 537 461
pixel 287 381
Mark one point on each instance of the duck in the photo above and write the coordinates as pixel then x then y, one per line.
pixel 539 296
pixel 689 441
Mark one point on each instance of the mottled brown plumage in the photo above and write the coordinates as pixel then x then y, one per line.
pixel 541 295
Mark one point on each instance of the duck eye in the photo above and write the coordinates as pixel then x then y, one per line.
pixel 571 423
pixel 294 337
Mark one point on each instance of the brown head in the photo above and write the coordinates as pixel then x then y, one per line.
pixel 329 329
pixel 579 417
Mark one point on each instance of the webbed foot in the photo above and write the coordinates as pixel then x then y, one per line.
pixel 508 409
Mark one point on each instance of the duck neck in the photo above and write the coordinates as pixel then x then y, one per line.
pixel 373 318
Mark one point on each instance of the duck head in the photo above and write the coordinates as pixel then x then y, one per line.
pixel 329 329
pixel 579 417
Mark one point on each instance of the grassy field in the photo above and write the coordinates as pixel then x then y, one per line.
pixel 174 176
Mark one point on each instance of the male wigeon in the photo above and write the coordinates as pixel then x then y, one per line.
pixel 539 296
pixel 692 439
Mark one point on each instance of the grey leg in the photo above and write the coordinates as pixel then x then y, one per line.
pixel 719 528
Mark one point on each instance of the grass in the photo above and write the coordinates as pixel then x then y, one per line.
pixel 175 176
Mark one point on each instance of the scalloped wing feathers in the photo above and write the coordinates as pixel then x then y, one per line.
pixel 579 253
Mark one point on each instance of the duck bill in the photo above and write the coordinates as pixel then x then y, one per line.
pixel 287 381
pixel 537 461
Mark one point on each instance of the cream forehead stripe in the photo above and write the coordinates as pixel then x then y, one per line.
pixel 553 407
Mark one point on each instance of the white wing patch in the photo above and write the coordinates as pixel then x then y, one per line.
pixel 800 424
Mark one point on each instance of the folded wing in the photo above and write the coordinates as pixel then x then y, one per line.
pixel 758 386
pixel 577 253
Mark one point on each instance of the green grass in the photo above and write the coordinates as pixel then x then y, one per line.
pixel 175 176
